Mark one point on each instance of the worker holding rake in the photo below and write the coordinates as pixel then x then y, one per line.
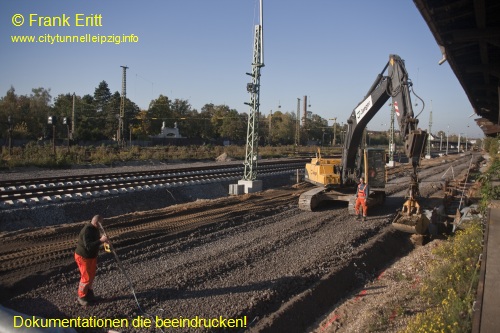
pixel 87 249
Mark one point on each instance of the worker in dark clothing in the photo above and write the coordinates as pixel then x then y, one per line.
pixel 87 249
pixel 361 197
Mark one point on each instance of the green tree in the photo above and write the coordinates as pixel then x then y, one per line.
pixel 88 120
pixel 9 106
pixel 63 107
pixel 17 108
pixel 158 112
pixel 131 112
pixel 186 118
pixel 20 131
pixel 112 116
pixel 207 130
pixel 103 112
pixel 39 110
pixel 102 96
pixel 199 126
pixel 140 124
pixel 180 108
pixel 227 123
pixel 491 145
pixel 234 126
pixel 282 128
pixel 313 129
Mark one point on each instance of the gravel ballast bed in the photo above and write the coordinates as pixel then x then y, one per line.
pixel 268 266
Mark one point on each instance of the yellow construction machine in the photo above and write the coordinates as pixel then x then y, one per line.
pixel 336 178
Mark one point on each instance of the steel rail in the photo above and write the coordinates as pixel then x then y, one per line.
pixel 73 185
pixel 45 250
pixel 43 180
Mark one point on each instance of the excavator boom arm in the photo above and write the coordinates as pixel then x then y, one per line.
pixel 396 85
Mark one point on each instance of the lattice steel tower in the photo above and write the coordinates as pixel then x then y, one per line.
pixel 253 88
pixel 121 118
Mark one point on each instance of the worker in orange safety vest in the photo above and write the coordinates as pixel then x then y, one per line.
pixel 361 197
pixel 89 242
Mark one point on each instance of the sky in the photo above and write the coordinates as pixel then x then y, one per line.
pixel 200 51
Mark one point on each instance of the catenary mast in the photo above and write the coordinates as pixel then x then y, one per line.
pixel 120 138
pixel 251 152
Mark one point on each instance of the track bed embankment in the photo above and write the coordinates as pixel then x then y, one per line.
pixel 255 256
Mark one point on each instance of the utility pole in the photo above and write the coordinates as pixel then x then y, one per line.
pixel 447 134
pixel 119 137
pixel 297 125
pixel 73 119
pixel 270 127
pixel 52 121
pixel 11 125
pixel 429 135
pixel 304 113
pixel 334 131
pixel 342 133
pixel 251 154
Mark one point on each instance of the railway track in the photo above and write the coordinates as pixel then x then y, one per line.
pixel 245 254
pixel 49 248
pixel 405 168
pixel 32 191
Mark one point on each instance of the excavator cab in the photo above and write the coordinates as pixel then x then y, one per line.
pixel 374 168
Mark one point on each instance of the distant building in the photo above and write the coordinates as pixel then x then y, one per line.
pixel 168 132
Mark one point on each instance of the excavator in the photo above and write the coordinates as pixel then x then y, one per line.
pixel 336 178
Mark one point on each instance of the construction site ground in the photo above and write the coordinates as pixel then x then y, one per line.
pixel 254 257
